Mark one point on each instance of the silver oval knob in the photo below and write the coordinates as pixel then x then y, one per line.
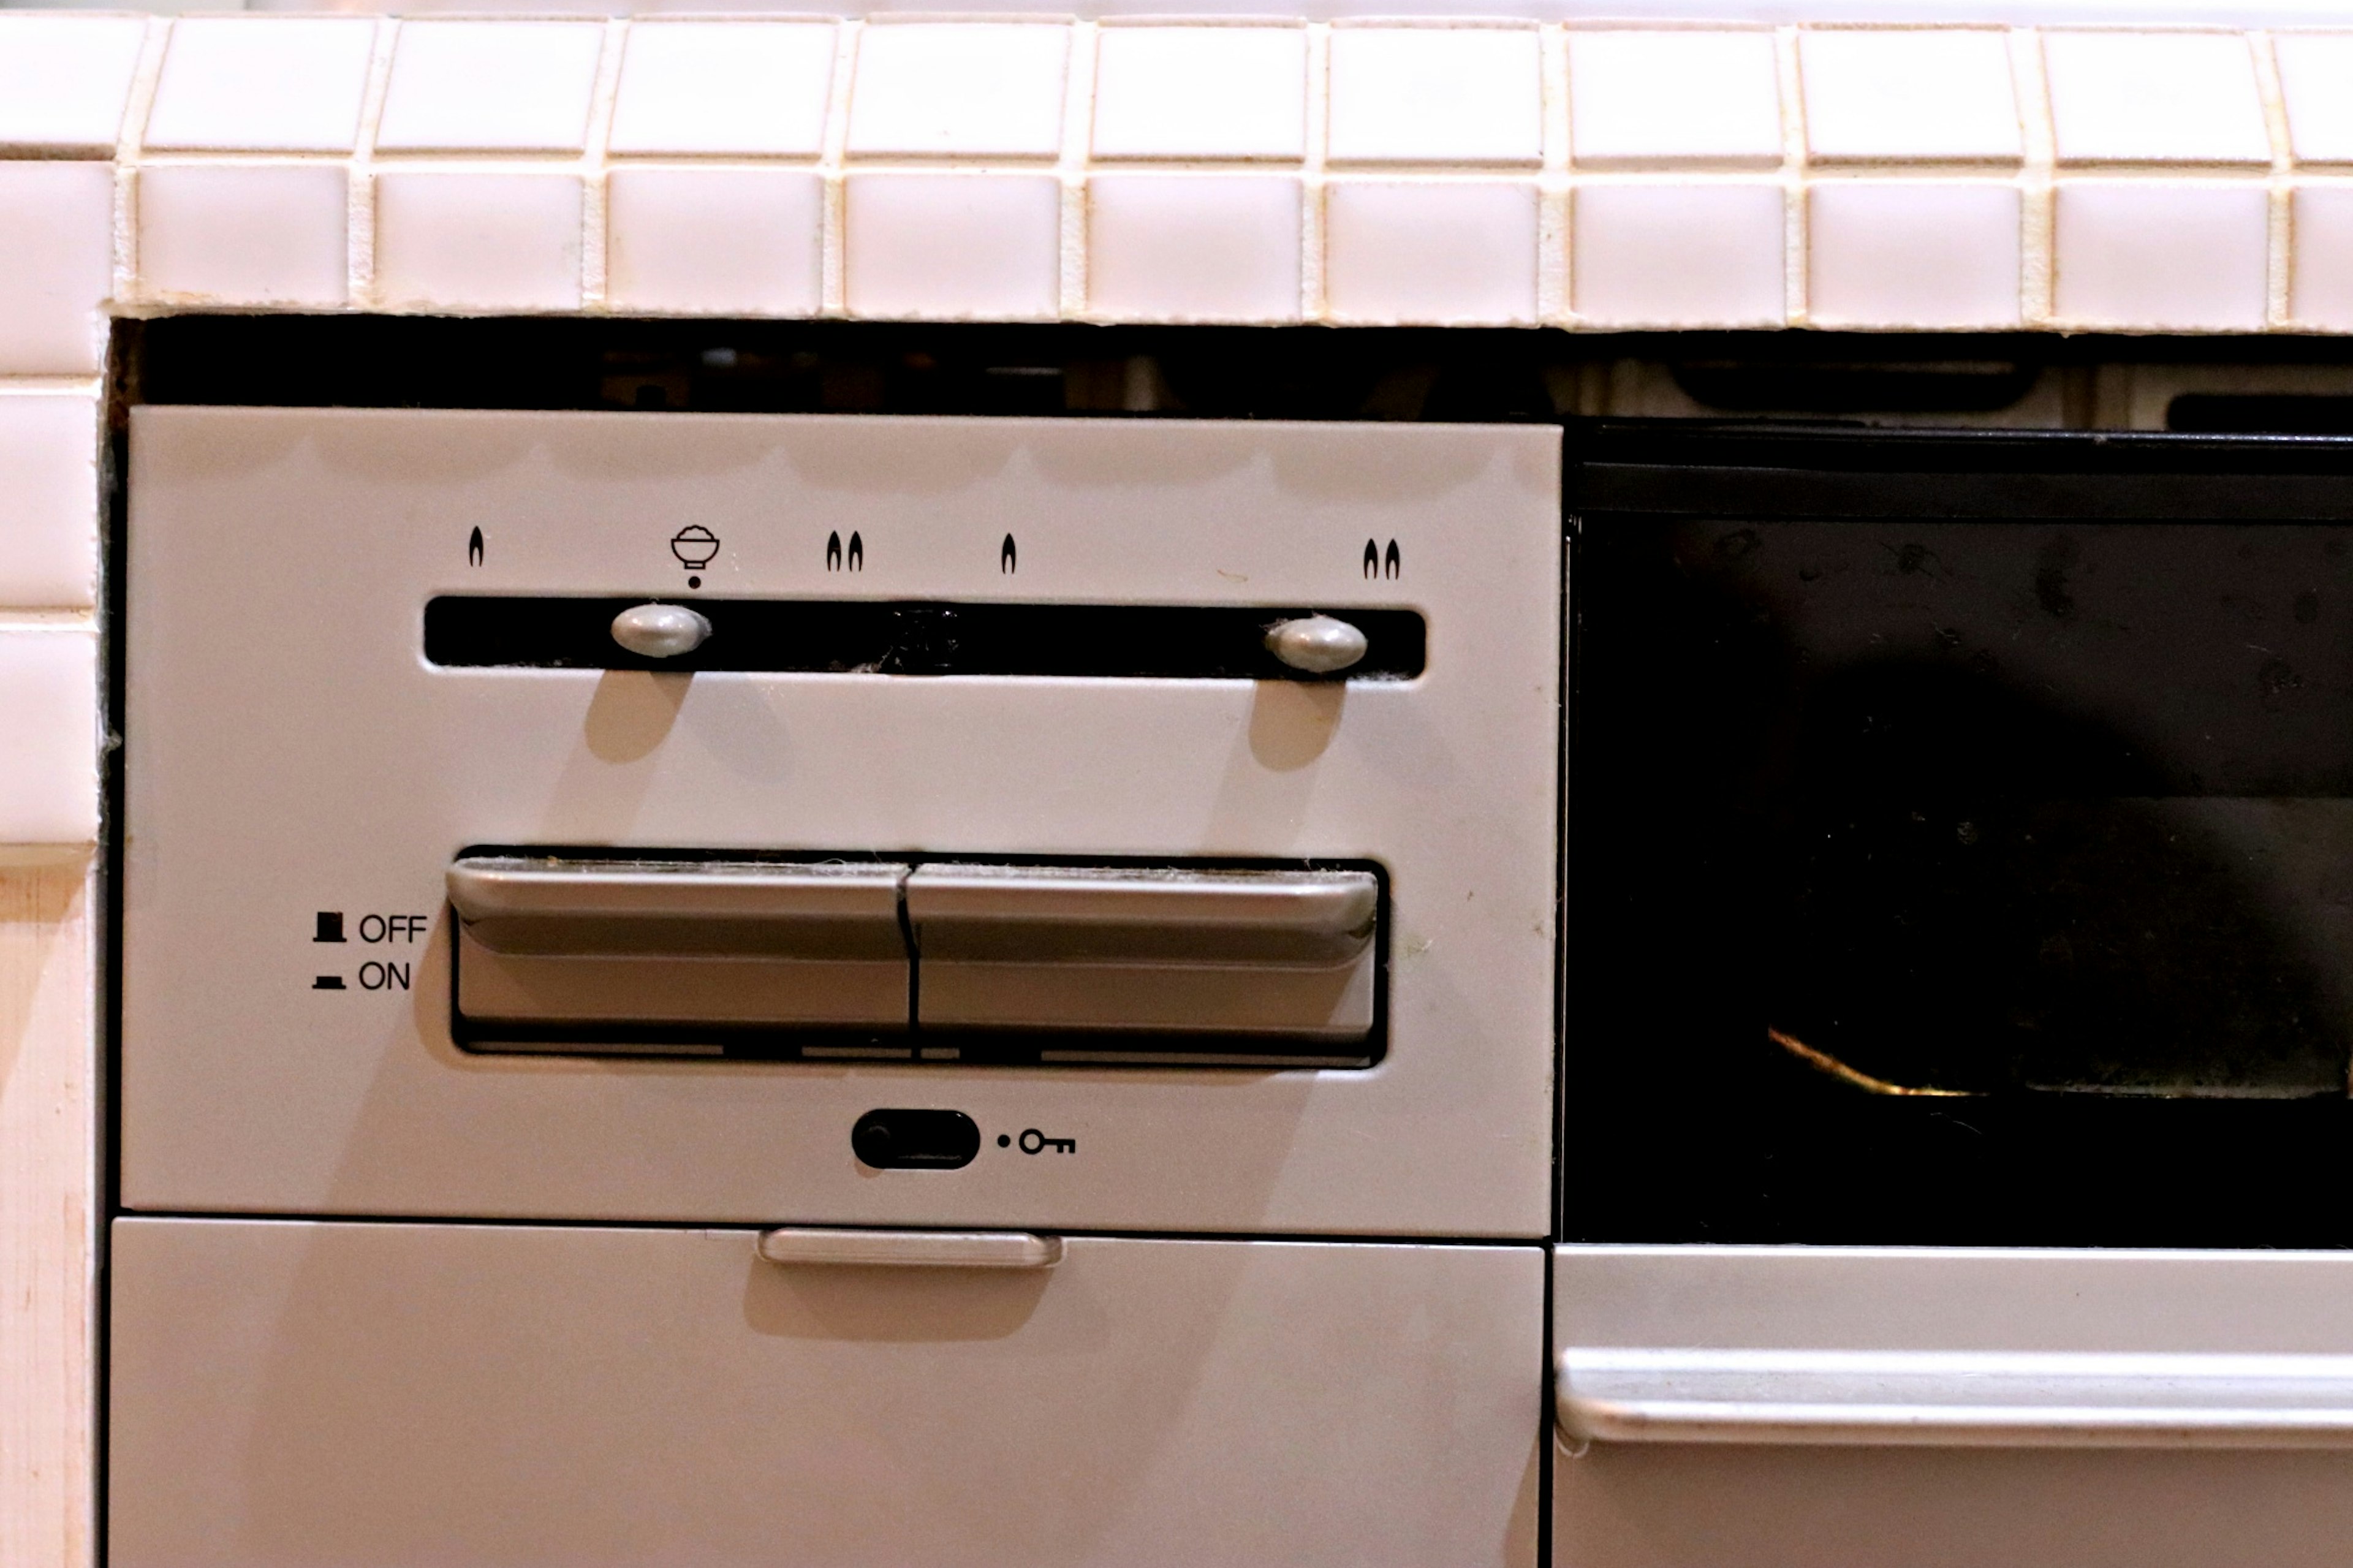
pixel 661 631
pixel 1317 644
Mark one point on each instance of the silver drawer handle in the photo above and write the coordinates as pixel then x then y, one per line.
pixel 910 1249
pixel 1954 1398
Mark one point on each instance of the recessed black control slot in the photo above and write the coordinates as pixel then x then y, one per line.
pixel 913 1140
pixel 1152 642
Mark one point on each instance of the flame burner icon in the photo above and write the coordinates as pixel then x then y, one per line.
pixel 694 545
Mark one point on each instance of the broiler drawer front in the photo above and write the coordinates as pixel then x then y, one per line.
pixel 287 1395
pixel 1919 1407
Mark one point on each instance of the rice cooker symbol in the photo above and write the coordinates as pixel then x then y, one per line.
pixel 694 545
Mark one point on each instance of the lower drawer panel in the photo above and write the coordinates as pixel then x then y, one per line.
pixel 286 1394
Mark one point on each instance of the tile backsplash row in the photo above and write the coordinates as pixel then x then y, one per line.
pixel 1584 175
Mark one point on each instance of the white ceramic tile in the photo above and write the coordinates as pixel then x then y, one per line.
pixel 2160 255
pixel 244 234
pixel 1922 254
pixel 725 87
pixel 2316 82
pixel 48 505
pixel 1201 92
pixel 2320 289
pixel 266 84
pixel 48 769
pixel 1668 254
pixel 718 241
pixel 2155 97
pixel 1193 248
pixel 952 246
pixel 1909 93
pixel 1673 97
pixel 944 89
pixel 1436 95
pixel 1430 252
pixel 479 241
pixel 57 266
pixel 64 79
pixel 490 87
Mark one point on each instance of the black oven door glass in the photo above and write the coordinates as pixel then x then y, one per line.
pixel 1961 837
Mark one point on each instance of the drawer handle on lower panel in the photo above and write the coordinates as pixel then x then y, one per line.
pixel 910 1249
pixel 2012 1399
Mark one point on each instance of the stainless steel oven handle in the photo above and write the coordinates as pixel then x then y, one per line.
pixel 1955 1399
pixel 825 1246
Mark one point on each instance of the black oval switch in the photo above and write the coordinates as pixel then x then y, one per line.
pixel 914 1140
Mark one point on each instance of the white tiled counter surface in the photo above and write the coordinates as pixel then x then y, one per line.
pixel 1594 176
pixel 1582 177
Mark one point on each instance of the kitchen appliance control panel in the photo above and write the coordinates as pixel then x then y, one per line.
pixel 591 815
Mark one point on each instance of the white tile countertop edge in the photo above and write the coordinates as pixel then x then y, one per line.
pixel 175 254
pixel 2213 13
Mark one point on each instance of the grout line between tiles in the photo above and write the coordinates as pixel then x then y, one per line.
pixel 1794 253
pixel 81 385
pixel 2117 169
pixel 1077 136
pixel 35 619
pixel 833 290
pixel 1552 184
pixel 359 194
pixel 2279 255
pixel 130 140
pixel 1818 173
pixel 2037 201
pixel 1314 303
pixel 595 236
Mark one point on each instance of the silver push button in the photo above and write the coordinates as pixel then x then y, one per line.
pixel 679 943
pixel 1321 645
pixel 1267 953
pixel 666 631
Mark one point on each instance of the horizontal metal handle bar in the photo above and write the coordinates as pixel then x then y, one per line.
pixel 817 1245
pixel 1956 1399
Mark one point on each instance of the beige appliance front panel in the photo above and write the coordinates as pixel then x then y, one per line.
pixel 1910 1408
pixel 290 752
pixel 294 1394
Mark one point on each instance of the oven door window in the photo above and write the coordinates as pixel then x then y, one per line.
pixel 1962 838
